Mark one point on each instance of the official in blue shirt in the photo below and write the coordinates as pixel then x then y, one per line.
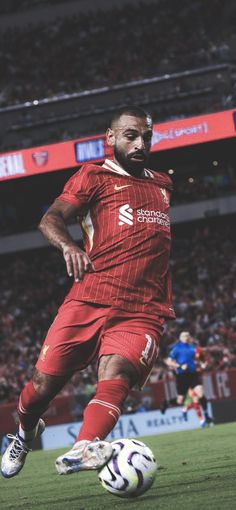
pixel 182 359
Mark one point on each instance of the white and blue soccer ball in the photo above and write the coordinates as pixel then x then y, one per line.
pixel 130 471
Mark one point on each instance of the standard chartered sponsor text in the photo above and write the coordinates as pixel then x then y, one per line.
pixel 146 216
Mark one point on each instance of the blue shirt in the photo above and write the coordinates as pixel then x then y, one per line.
pixel 184 353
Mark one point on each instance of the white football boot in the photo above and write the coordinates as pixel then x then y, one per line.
pixel 14 457
pixel 84 455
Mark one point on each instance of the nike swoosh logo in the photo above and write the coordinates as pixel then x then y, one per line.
pixel 117 188
pixel 143 362
pixel 110 412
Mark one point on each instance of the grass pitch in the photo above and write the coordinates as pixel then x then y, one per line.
pixel 197 470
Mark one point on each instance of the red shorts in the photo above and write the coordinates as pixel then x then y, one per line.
pixel 81 331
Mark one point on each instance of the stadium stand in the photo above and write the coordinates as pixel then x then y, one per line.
pixel 76 63
pixel 193 70
pixel 191 189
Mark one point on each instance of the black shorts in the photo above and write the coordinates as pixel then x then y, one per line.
pixel 185 381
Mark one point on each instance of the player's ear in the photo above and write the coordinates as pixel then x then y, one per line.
pixel 110 136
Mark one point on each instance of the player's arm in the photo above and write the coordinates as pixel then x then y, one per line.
pixel 53 227
pixel 200 358
pixel 172 363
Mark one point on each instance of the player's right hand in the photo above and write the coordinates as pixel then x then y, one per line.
pixel 184 366
pixel 77 262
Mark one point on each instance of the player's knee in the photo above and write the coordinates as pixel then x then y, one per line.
pixel 116 367
pixel 198 390
pixel 45 385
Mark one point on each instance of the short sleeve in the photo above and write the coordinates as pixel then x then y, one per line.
pixel 81 188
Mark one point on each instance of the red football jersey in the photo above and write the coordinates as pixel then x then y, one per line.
pixel 126 230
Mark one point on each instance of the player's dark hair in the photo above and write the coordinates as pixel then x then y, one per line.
pixel 134 111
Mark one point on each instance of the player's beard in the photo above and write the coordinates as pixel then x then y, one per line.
pixel 130 165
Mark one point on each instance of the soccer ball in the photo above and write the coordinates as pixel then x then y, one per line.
pixel 131 470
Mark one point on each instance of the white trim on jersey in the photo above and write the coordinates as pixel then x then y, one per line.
pixel 88 227
pixel 113 167
pixel 148 173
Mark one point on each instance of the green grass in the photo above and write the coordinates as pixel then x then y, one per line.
pixel 197 472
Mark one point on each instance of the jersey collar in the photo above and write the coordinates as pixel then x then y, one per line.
pixel 111 165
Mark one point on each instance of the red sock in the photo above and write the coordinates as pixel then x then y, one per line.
pixel 103 411
pixel 189 406
pixel 198 411
pixel 31 406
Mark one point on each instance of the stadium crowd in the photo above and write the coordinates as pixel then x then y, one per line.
pixel 17 214
pixel 34 283
pixel 12 6
pixel 84 53
pixel 197 188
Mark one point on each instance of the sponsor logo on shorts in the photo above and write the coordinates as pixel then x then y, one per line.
pixel 44 352
pixel 145 358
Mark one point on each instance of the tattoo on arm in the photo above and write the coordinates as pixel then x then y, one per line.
pixel 53 224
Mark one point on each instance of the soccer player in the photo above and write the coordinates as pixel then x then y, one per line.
pixel 120 297
pixel 185 357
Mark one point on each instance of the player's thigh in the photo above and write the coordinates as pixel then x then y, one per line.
pixel 72 341
pixel 136 344
pixel 182 384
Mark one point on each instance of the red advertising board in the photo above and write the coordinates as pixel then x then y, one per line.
pixel 204 128
pixel 168 135
pixel 49 158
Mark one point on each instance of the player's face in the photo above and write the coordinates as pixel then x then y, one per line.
pixel 131 140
